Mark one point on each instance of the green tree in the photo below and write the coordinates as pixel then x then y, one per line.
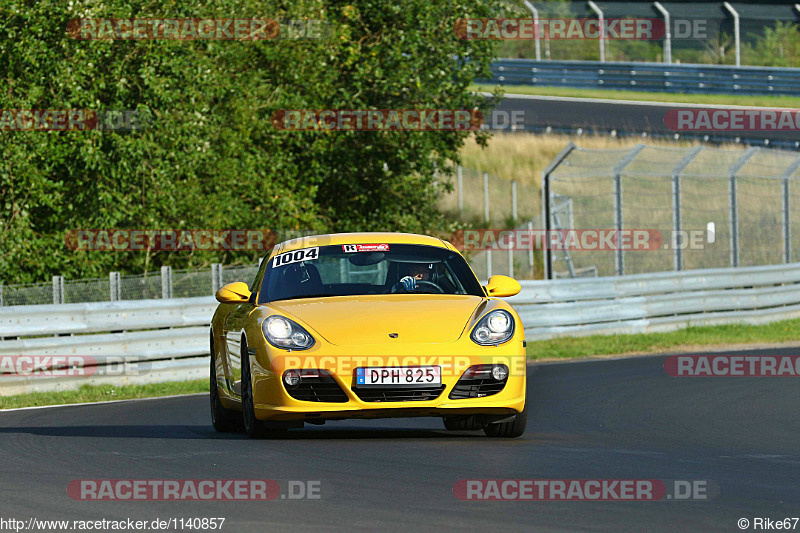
pixel 209 156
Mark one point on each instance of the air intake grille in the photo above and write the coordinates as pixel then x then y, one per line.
pixel 399 394
pixel 477 382
pixel 317 386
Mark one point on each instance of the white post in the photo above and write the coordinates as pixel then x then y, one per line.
pixel 486 196
pixel 667 34
pixel 514 200
pixel 216 277
pixel 536 35
pixel 736 36
pixel 530 250
pixel 488 263
pixel 114 282
pixel 600 18
pixel 460 191
pixel 58 289
pixel 166 282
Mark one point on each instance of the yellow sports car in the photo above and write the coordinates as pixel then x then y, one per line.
pixel 367 325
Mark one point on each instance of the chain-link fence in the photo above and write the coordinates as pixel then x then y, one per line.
pixel 166 284
pixel 490 201
pixel 712 207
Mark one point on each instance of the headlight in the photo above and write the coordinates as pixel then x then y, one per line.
pixel 284 333
pixel 494 328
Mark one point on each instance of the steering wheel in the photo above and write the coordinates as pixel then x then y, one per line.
pixel 426 283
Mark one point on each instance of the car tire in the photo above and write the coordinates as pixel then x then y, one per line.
pixel 512 429
pixel 462 423
pixel 255 428
pixel 223 419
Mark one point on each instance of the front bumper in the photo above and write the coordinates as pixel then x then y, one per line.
pixel 273 402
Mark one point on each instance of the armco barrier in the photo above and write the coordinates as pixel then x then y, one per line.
pixel 658 302
pixel 655 77
pixel 171 336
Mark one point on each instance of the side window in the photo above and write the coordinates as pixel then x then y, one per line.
pixel 257 282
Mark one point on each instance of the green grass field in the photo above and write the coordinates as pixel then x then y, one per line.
pixel 719 99
pixel 104 393
pixel 694 339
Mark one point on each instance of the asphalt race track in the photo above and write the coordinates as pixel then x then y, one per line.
pixel 605 419
pixel 568 114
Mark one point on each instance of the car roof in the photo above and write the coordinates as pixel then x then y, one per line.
pixel 359 238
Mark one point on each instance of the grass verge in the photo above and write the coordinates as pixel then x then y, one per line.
pixel 718 99
pixel 694 339
pixel 102 393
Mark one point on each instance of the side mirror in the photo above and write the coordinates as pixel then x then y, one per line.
pixel 502 286
pixel 233 293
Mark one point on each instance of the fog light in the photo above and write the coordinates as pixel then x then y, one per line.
pixel 291 378
pixel 500 372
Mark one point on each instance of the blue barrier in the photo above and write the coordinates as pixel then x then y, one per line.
pixel 650 77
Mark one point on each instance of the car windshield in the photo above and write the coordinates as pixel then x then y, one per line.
pixel 362 269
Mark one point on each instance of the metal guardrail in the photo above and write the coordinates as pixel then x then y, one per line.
pixel 548 308
pixel 655 77
pixel 658 302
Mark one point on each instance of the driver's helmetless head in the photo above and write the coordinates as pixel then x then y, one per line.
pixel 419 271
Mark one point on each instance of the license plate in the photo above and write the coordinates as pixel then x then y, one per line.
pixel 399 376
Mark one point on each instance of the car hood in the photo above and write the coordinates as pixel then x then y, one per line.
pixel 415 318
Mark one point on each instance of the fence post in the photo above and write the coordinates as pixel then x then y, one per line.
pixel 787 215
pixel 58 289
pixel 600 19
pixel 736 34
pixel 166 282
pixel 486 196
pixel 668 33
pixel 511 261
pixel 619 254
pixel 514 200
pixel 530 250
pixel 547 198
pixel 115 289
pixel 677 253
pixel 535 13
pixel 734 204
pixel 488 263
pixel 460 186
pixel 216 277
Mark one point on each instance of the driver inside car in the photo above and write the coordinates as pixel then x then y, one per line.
pixel 414 272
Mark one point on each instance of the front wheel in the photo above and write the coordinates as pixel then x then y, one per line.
pixel 514 428
pixel 255 428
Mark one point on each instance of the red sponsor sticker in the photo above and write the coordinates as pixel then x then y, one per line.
pixel 365 248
